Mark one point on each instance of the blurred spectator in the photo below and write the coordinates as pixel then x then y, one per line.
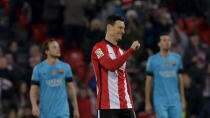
pixel 92 9
pixel 54 17
pixel 193 96
pixel 179 40
pixel 13 47
pixel 74 22
pixel 86 103
pixel 26 112
pixel 94 35
pixel 194 48
pixel 22 95
pixel 205 112
pixel 12 114
pixel 17 72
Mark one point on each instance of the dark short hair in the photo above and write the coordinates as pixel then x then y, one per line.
pixel 45 46
pixel 162 34
pixel 113 18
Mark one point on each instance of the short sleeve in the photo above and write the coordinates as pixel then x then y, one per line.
pixel 35 76
pixel 68 74
pixel 149 67
pixel 180 65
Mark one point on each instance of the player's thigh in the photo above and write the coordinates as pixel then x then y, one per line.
pixel 175 111
pixel 127 113
pixel 161 111
pixel 108 113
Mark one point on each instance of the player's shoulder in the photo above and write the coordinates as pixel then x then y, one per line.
pixel 40 65
pixel 63 64
pixel 154 57
pixel 99 44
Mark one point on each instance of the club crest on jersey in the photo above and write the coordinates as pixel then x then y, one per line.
pixel 61 71
pixel 53 72
pixel 99 53
pixel 174 63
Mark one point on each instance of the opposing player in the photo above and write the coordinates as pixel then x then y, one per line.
pixel 50 81
pixel 109 61
pixel 164 75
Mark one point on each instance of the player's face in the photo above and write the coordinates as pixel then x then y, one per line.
pixel 165 42
pixel 118 29
pixel 54 50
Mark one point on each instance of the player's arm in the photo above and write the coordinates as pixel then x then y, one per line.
pixel 72 92
pixel 73 97
pixel 114 64
pixel 181 84
pixel 34 92
pixel 182 93
pixel 34 96
pixel 148 87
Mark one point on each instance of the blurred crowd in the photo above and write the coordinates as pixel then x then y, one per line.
pixel 79 24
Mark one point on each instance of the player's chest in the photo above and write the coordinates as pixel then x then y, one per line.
pixel 114 52
pixel 52 73
pixel 166 64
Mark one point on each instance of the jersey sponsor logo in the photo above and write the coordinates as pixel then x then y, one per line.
pixel 99 53
pixel 167 74
pixel 54 82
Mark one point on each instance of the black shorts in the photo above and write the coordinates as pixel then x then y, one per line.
pixel 116 113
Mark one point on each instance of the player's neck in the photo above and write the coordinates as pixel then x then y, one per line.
pixel 51 61
pixel 164 53
pixel 111 39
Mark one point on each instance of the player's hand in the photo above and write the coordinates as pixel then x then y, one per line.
pixel 35 111
pixel 135 45
pixel 76 114
pixel 183 105
pixel 148 108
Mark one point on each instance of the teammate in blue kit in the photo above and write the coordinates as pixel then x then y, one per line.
pixel 164 79
pixel 50 81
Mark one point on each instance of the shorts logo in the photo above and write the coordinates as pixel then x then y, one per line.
pixel 99 53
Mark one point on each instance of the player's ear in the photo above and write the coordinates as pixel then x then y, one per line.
pixel 109 26
pixel 46 52
pixel 159 44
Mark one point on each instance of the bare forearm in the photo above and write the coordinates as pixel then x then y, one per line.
pixel 34 95
pixel 72 95
pixel 148 89
pixel 182 93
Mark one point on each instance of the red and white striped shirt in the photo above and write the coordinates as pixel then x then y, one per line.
pixel 113 88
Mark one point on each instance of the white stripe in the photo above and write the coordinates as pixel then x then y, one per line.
pixel 98 114
pixel 127 97
pixel 124 65
pixel 113 83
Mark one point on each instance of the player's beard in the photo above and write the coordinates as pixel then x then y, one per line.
pixel 55 56
pixel 166 49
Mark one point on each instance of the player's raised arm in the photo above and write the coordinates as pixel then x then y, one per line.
pixel 113 64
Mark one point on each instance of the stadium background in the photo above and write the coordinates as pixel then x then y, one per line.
pixel 79 24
